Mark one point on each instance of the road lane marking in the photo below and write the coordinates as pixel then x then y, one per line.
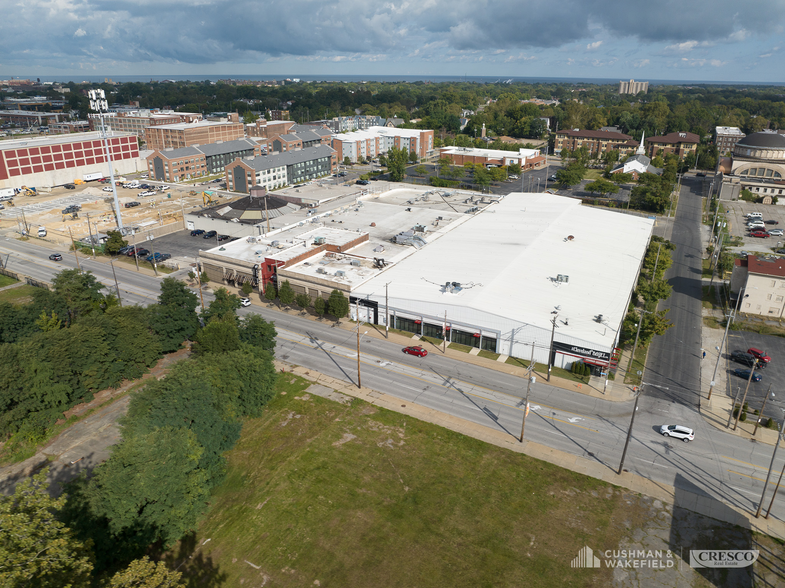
pixel 742 461
pixel 750 477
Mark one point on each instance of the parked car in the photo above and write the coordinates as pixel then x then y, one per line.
pixel 146 193
pixel 363 182
pixel 245 301
pixel 145 186
pixel 743 358
pixel 552 178
pixel 56 257
pixel 144 176
pixel 776 232
pixel 133 251
pixel 125 250
pixel 71 208
pixel 745 374
pixel 142 252
pixel 197 232
pixel 107 189
pixel 771 222
pixel 223 238
pixel 158 257
pixel 132 204
pixel 760 234
pixel 759 355
pixel 69 186
pixel 209 234
pixel 163 188
pixel 415 350
pixel 684 433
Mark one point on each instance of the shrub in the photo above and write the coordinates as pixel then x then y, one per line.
pixel 743 416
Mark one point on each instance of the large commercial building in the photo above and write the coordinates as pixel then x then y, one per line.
pixel 505 278
pixel 173 165
pixel 633 87
pixel 60 159
pixel 526 158
pixel 757 165
pixel 189 134
pixel 371 142
pixel 283 169
pixel 27 118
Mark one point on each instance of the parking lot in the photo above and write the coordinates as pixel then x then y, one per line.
pixel 772 375
pixel 735 212
pixel 182 246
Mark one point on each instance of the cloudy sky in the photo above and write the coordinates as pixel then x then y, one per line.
pixel 722 40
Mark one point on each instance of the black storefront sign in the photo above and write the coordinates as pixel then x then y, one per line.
pixel 581 351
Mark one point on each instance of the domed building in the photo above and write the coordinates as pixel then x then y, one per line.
pixel 757 165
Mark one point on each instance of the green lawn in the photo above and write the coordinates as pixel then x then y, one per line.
pixel 349 495
pixel 18 295
pixel 6 281
pixel 638 364
pixel 593 174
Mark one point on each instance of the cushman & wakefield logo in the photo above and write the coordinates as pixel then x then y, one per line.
pixel 723 558
pixel 663 559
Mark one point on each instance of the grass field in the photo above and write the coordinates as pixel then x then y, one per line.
pixel 349 495
pixel 6 281
pixel 18 295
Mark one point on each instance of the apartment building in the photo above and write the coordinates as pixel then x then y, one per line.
pixel 180 135
pixel 681 143
pixel 276 171
pixel 725 138
pixel 597 142
pixel 633 87
pixel 371 142
pixel 172 165
pixel 763 283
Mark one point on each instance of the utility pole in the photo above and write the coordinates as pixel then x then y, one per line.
pixel 635 346
pixel 766 483
pixel 386 311
pixel 444 333
pixel 136 258
pixel 743 398
pixel 629 431
pixel 550 351
pixel 719 355
pixel 528 389
pixel 762 408
pixel 119 300
pixel 74 246
pixel 155 268
pixel 199 277
pixel 359 324
pixel 90 230
pixel 735 399
pixel 777 487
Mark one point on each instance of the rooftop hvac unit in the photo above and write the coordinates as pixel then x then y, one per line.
pixel 321 270
pixel 356 262
pixel 319 240
pixel 562 278
pixel 274 243
pixel 340 274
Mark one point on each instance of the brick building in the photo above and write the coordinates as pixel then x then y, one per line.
pixel 725 138
pixel 276 171
pixel 526 158
pixel 181 135
pixel 73 126
pixel 681 143
pixel 24 118
pixel 172 165
pixel 598 142
pixel 59 159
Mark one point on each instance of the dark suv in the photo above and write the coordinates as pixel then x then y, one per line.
pixel 744 358
pixel 209 234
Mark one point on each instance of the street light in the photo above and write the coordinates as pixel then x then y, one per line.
pixel 724 337
pixel 629 431
pixel 99 104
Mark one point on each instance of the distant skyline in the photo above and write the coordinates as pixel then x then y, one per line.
pixel 700 40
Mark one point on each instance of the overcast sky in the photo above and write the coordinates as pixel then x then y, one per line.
pixel 724 40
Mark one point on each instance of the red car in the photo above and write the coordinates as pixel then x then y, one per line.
pixel 415 350
pixel 761 234
pixel 759 355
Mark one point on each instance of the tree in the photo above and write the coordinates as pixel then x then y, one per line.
pixel 383 160
pixel 36 549
pixel 302 300
pixel 80 290
pixel 396 163
pixel 320 306
pixel 115 242
pixel 152 485
pixel 420 170
pixel 256 331
pixel 498 174
pixel 269 292
pixel 514 169
pixel 174 318
pixel 143 573
pixel 570 175
pixel 249 117
pixel 246 288
pixel 224 304
pixel 285 293
pixel 218 336
pixel 347 161
pixel 444 164
pixel 413 157
pixel 482 177
pixel 602 186
pixel 338 304
pixel 620 178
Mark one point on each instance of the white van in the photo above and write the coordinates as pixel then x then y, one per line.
pixel 41 231
pixel 754 215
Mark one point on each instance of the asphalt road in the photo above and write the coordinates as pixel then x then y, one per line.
pixel 717 463
pixel 673 365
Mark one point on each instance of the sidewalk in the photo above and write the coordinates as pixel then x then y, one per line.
pixel 693 501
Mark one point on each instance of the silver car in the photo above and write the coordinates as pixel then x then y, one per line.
pixel 684 433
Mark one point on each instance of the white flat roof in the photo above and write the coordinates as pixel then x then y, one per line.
pixel 373 132
pixel 58 139
pixel 491 153
pixel 194 125
pixel 507 259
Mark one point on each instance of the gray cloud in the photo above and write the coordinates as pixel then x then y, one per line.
pixel 193 32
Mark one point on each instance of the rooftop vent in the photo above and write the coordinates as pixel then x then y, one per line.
pixel 562 278
pixel 340 274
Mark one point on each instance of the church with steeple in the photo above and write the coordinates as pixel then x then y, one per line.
pixel 637 164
